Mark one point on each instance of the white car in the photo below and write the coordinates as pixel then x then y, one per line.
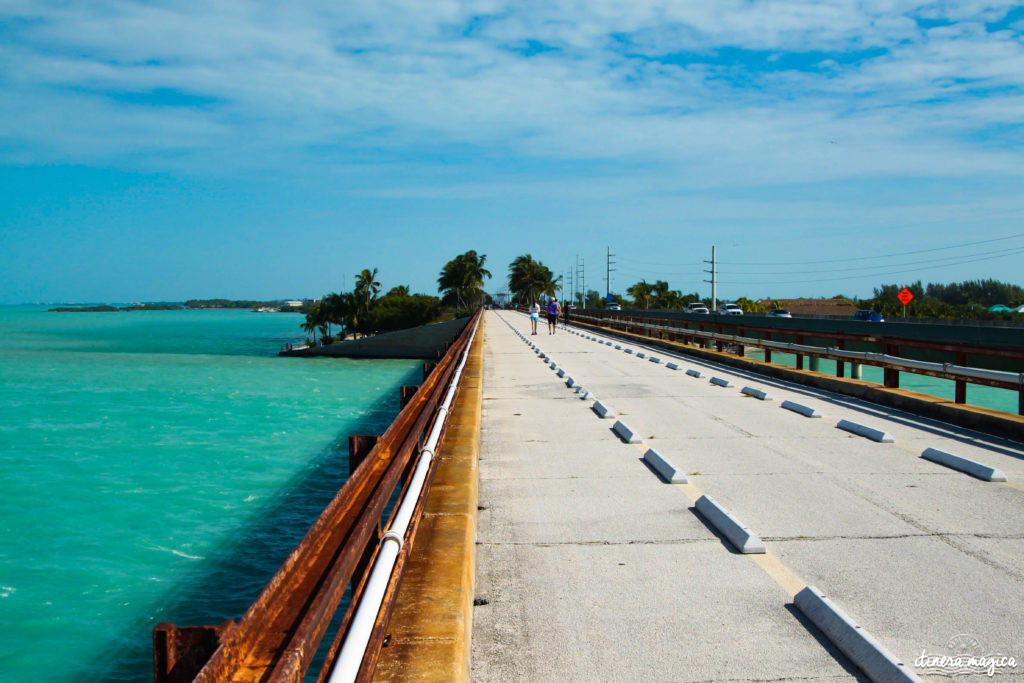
pixel 614 307
pixel 696 308
pixel 779 313
pixel 730 309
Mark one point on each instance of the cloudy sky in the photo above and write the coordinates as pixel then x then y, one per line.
pixel 178 149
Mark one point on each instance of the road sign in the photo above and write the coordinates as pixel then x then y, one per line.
pixel 905 296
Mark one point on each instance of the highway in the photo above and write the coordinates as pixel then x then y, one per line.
pixel 591 567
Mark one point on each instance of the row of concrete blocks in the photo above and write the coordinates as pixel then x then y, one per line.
pixel 961 464
pixel 856 643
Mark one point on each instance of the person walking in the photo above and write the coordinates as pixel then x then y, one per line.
pixel 534 315
pixel 553 310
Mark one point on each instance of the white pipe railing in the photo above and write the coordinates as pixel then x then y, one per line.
pixel 955 371
pixel 353 649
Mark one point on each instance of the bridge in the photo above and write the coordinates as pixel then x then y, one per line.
pixel 609 507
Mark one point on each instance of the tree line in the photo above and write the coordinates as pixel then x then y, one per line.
pixel 364 311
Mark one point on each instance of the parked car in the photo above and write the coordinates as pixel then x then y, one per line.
pixel 869 316
pixel 614 307
pixel 779 313
pixel 730 309
pixel 695 308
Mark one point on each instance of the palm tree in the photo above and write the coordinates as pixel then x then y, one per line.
pixel 641 293
pixel 462 278
pixel 399 290
pixel 529 279
pixel 314 320
pixel 367 288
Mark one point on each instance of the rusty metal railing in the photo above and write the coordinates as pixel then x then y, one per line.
pixel 278 636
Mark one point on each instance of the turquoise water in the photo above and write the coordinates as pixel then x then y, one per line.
pixel 159 466
pixel 977 394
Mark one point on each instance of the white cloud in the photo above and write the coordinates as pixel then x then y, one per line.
pixel 402 78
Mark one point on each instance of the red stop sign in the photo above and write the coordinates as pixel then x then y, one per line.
pixel 905 296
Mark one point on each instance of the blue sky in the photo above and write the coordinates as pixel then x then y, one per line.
pixel 170 150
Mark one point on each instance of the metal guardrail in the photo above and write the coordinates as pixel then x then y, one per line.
pixel 891 363
pixel 278 636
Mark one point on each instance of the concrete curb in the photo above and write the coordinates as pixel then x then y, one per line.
pixel 694 373
pixel 671 366
pixel 806 411
pixel 756 393
pixel 654 359
pixel 561 372
pixel 628 350
pixel 867 653
pixel 602 410
pixel 865 431
pixel 664 468
pixel 570 382
pixel 625 433
pixel 641 354
pixel 742 538
pixel 718 381
pixel 971 467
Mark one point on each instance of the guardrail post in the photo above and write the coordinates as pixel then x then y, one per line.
pixel 840 365
pixel 358 448
pixel 179 654
pixel 799 357
pixel 891 376
pixel 767 351
pixel 960 386
pixel 406 392
pixel 427 369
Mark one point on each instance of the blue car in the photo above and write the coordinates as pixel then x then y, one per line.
pixel 869 316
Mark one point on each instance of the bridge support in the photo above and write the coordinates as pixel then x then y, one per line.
pixel 406 392
pixel 179 654
pixel 358 448
pixel 855 371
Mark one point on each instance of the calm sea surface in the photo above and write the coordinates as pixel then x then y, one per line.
pixel 159 466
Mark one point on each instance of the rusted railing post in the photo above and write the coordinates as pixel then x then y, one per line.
pixel 180 653
pixel 358 448
pixel 891 376
pixel 406 392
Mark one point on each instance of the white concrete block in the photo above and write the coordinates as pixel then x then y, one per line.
pixel 570 382
pixel 742 538
pixel 618 347
pixel 694 373
pixel 585 395
pixel 718 381
pixel 628 350
pixel 552 365
pixel 663 467
pixel 561 372
pixel 971 467
pixel 868 654
pixel 806 411
pixel 756 393
pixel 865 431
pixel 625 433
pixel 641 354
pixel 654 359
pixel 671 366
pixel 602 410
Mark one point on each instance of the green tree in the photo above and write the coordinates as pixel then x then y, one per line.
pixel 366 288
pixel 528 280
pixel 642 293
pixel 462 279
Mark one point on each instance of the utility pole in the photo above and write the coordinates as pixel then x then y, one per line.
pixel 714 279
pixel 608 276
pixel 582 279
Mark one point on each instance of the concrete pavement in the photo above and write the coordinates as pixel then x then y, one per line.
pixel 593 568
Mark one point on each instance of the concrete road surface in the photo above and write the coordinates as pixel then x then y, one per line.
pixel 591 568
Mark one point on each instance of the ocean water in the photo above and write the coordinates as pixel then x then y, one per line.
pixel 159 466
pixel 977 394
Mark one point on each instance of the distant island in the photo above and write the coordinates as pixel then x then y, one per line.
pixel 281 305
